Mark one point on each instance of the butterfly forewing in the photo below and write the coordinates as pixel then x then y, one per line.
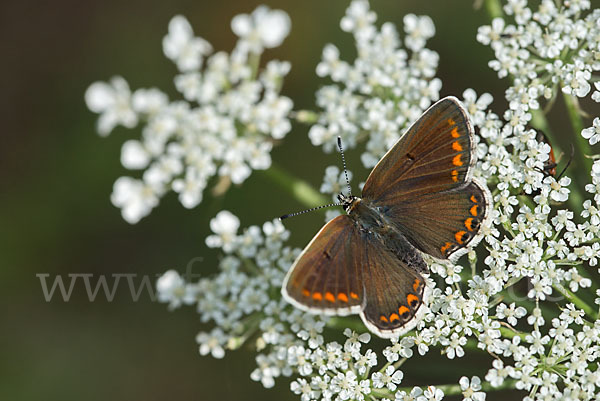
pixel 433 155
pixel 328 275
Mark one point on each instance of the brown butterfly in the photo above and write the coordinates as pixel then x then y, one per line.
pixel 419 198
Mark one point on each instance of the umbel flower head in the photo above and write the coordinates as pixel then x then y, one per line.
pixel 226 124
pixel 525 299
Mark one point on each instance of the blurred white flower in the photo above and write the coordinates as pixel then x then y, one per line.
pixel 135 198
pixel 264 28
pixel 418 31
pixel 225 226
pixel 182 47
pixel 113 103
pixel 173 289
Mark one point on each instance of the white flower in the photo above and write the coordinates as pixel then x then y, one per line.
pixel 172 288
pixel 470 389
pixel 390 378
pixel 264 28
pixel 190 188
pixel 225 226
pixel 212 343
pixel 418 30
pixel 596 94
pixel 431 394
pixel 182 47
pixel 592 134
pixel 559 191
pixel 359 20
pixel 477 106
pixel 113 103
pixel 135 198
pixel 134 155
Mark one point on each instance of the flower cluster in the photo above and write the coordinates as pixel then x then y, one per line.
pixel 244 303
pixel 375 98
pixel 551 48
pixel 230 117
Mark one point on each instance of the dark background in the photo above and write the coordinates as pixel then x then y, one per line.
pixel 57 176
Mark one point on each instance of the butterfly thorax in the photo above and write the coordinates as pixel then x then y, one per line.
pixel 373 223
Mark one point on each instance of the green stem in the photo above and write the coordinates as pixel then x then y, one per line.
pixel 299 189
pixel 508 333
pixel 493 8
pixel 580 303
pixel 581 143
pixel 305 116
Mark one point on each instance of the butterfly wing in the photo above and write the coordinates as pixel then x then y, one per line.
pixel 432 156
pixel 395 293
pixel 327 276
pixel 423 183
pixel 346 270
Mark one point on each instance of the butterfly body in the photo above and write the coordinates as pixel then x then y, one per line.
pixel 419 199
pixel 373 223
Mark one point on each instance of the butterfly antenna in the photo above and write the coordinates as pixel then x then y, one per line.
pixel 339 141
pixel 285 216
pixel 567 165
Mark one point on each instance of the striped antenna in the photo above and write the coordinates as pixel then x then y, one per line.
pixel 339 141
pixel 285 216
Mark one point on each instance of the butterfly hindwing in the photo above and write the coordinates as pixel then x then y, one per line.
pixel 327 276
pixel 443 224
pixel 433 155
pixel 394 293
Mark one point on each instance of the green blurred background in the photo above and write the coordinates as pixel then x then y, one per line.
pixel 57 176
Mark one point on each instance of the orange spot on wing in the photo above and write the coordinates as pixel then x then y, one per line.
pixel 456 160
pixel 473 199
pixel 343 297
pixel 468 223
pixel 451 122
pixel 402 310
pixel 393 317
pixel 455 133
pixel 474 210
pixel 329 296
pixel 454 175
pixel 305 293
pixel 383 318
pixel 354 295
pixel 410 298
pixel 456 146
pixel 445 247
pixel 317 296
pixel 418 282
pixel 459 235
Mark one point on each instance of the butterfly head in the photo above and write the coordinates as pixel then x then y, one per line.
pixel 347 201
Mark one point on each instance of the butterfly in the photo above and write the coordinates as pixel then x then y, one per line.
pixel 419 199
